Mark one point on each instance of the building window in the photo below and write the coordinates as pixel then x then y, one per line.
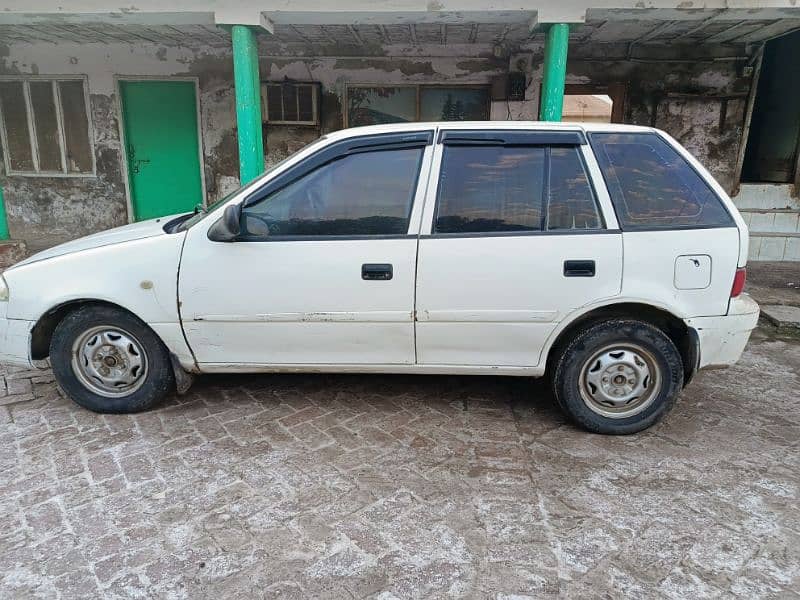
pixel 45 128
pixel 289 103
pixel 374 105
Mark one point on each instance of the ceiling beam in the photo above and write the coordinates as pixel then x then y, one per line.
pixel 655 31
pixel 697 28
pixel 725 34
pixel 354 32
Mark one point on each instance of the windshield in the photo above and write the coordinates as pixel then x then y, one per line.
pixel 203 212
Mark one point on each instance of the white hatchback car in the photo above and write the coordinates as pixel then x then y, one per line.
pixel 603 255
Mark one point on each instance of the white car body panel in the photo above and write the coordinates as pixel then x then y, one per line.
pixel 138 274
pixel 118 235
pixel 462 305
pixel 297 301
pixel 650 258
pixel 722 339
pixel 495 300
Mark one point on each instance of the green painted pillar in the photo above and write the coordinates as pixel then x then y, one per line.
pixel 555 72
pixel 248 102
pixel 3 220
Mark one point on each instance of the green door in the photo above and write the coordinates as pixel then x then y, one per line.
pixel 160 122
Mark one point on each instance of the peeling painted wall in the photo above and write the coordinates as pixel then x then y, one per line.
pixel 700 103
pixel 47 210
pixel 681 97
pixel 698 99
pixel 335 74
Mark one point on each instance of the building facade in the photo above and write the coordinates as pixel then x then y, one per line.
pixel 111 116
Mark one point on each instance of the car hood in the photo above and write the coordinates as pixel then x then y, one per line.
pixel 118 235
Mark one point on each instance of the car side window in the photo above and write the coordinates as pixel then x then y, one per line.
pixel 490 189
pixel 365 193
pixel 652 186
pixel 571 203
pixel 486 189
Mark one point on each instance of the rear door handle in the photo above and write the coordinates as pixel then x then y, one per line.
pixel 376 271
pixel 579 268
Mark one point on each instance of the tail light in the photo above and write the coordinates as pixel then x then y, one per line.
pixel 738 282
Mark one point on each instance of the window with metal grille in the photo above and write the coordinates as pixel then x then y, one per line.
pixel 45 127
pixel 290 103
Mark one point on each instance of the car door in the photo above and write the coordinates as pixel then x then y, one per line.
pixel 515 237
pixel 323 271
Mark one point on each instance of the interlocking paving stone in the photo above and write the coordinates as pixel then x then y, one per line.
pixel 322 486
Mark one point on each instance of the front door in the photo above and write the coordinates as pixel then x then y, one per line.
pixel 323 271
pixel 517 242
pixel 162 147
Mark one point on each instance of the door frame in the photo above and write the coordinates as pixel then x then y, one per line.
pixel 121 126
pixel 616 90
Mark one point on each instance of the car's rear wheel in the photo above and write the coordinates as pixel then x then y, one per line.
pixel 108 360
pixel 618 377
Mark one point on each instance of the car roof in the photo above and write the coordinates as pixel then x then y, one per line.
pixel 490 125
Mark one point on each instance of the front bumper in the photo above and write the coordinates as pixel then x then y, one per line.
pixel 723 339
pixel 15 341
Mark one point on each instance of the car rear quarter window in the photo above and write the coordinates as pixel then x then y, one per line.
pixel 652 186
pixel 490 189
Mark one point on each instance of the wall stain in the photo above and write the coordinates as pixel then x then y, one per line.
pixel 45 211
pixel 406 67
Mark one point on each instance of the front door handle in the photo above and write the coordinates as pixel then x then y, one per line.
pixel 579 268
pixel 377 271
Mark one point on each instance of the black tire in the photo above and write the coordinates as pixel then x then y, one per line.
pixel 579 399
pixel 154 384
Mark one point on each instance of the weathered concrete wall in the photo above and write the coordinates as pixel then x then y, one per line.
pixel 700 103
pixel 683 95
pixel 335 74
pixel 700 98
pixel 47 210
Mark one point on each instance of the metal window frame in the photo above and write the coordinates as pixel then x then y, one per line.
pixel 33 138
pixel 418 87
pixel 296 84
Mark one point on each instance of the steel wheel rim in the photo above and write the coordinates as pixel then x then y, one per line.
pixel 620 380
pixel 109 361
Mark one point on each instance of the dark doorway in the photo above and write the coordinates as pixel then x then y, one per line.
pixel 772 145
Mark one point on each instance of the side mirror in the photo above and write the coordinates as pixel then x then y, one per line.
pixel 228 228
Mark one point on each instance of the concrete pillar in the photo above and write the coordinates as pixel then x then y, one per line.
pixel 555 72
pixel 248 102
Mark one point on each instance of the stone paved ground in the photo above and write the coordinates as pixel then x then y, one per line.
pixel 402 487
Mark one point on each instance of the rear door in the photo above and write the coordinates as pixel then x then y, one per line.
pixel 682 244
pixel 515 237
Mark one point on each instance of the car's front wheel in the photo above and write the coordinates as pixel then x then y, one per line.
pixel 618 377
pixel 109 361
